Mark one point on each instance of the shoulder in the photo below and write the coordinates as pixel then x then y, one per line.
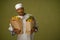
pixel 30 16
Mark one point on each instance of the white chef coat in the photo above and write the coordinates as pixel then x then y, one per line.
pixel 23 36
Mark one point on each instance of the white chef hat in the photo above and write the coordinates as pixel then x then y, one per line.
pixel 19 5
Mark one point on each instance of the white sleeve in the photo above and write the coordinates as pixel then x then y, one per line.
pixel 36 25
pixel 11 30
pixel 10 27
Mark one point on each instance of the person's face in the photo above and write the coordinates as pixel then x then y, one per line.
pixel 20 11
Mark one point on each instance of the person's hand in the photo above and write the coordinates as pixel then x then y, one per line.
pixel 32 30
pixel 17 31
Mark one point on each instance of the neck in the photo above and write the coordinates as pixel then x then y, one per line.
pixel 22 14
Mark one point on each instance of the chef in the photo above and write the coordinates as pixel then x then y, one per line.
pixel 27 31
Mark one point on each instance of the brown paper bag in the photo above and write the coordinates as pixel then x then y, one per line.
pixel 16 23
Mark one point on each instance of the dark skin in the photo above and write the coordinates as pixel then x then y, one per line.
pixel 20 11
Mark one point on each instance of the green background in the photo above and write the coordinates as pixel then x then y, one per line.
pixel 47 13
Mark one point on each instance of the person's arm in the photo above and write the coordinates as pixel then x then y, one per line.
pixel 35 25
pixel 11 30
pixel 35 28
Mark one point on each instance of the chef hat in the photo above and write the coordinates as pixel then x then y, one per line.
pixel 19 5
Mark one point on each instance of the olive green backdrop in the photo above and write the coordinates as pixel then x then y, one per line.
pixel 47 13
